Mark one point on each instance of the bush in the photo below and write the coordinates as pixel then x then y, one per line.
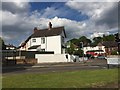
pixel 114 53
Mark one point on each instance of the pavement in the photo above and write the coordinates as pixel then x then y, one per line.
pixel 55 67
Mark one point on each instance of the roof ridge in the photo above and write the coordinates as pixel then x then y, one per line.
pixel 52 28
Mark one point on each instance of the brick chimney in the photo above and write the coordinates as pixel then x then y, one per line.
pixel 50 26
pixel 35 29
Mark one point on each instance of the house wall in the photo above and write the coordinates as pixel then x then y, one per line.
pixel 28 44
pixel 110 50
pixel 38 41
pixel 94 48
pixel 53 43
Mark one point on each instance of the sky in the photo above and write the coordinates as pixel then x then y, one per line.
pixel 18 18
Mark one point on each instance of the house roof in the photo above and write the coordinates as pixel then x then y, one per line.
pixel 34 47
pixel 10 46
pixel 109 44
pixel 45 33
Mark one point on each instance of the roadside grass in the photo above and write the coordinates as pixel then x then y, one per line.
pixel 69 79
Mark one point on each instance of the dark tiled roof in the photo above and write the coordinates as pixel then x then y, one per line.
pixel 46 32
pixel 109 44
pixel 34 47
pixel 10 46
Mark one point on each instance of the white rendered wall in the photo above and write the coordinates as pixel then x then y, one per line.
pixel 38 41
pixel 50 58
pixel 54 44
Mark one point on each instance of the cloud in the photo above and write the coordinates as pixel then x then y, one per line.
pixel 50 12
pixel 13 20
pixel 18 22
pixel 16 7
pixel 109 17
pixel 99 12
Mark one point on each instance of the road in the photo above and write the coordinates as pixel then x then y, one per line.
pixel 54 67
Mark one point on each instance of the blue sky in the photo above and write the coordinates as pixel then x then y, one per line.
pixel 68 13
pixel 78 18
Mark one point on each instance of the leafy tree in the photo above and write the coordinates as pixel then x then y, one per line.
pixel 2 44
pixel 71 49
pixel 109 38
pixel 79 52
pixel 85 40
pixel 96 40
pixel 114 52
pixel 74 41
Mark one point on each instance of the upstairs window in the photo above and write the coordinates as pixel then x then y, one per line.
pixel 42 40
pixel 33 40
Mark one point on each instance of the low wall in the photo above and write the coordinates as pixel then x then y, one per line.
pixel 113 56
pixel 50 58
pixel 26 61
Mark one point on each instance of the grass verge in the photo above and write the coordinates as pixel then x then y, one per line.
pixel 73 79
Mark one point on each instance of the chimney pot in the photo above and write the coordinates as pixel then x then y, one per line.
pixel 50 25
pixel 35 29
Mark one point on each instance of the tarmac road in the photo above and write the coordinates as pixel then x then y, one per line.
pixel 54 67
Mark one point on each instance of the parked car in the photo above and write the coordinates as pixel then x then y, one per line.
pixel 101 57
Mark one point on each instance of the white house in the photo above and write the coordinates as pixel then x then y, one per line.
pixel 98 49
pixel 49 39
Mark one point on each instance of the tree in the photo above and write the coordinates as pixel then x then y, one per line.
pixel 2 44
pixel 71 49
pixel 117 39
pixel 85 40
pixel 96 40
pixel 74 41
pixel 79 52
pixel 109 38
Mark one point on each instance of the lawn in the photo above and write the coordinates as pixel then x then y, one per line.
pixel 70 79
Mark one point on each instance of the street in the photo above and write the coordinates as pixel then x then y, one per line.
pixel 55 67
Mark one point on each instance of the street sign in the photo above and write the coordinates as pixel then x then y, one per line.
pixel 113 61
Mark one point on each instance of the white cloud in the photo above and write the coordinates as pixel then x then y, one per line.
pixel 103 16
pixel 16 7
pixel 50 12
pixel 8 18
pixel 92 9
pixel 18 25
